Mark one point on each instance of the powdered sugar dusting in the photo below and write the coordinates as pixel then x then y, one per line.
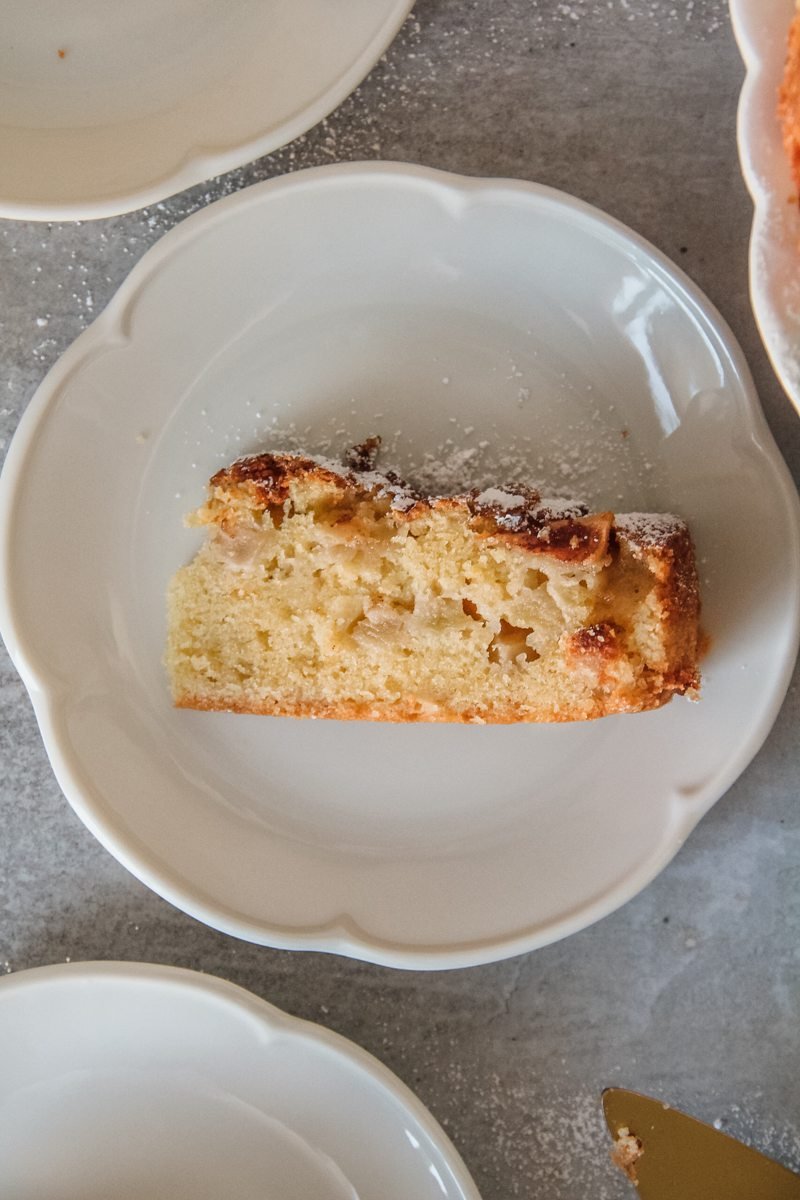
pixel 590 464
pixel 777 1137
pixel 402 497
pixel 690 18
pixel 650 528
pixel 450 468
pixel 591 458
pixel 496 497
pixel 556 1144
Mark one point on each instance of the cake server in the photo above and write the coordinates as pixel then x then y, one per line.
pixel 670 1156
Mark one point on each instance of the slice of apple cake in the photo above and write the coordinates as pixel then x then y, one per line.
pixel 327 590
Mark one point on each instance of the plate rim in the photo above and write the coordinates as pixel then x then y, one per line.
pixel 198 164
pixel 768 321
pixel 342 934
pixel 267 1014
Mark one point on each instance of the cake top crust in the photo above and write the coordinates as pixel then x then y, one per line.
pixel 520 514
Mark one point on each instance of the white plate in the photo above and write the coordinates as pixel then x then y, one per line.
pixel 108 105
pixel 761 28
pixel 134 1081
pixel 377 298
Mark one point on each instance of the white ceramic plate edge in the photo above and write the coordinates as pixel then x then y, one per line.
pixel 273 1018
pixel 201 163
pixel 342 935
pixel 777 332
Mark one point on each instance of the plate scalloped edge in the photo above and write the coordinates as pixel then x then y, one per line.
pixel 342 934
pixel 200 163
pixel 265 1013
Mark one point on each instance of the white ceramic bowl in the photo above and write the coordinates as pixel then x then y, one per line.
pixel 500 323
pixel 108 105
pixel 761 28
pixel 126 1080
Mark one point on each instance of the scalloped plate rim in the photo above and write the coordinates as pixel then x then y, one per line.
pixel 234 996
pixel 341 933
pixel 199 164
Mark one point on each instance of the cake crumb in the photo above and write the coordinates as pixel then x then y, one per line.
pixel 626 1152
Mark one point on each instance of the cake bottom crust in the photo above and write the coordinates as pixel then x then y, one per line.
pixel 411 711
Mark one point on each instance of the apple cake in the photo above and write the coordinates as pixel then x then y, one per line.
pixel 333 590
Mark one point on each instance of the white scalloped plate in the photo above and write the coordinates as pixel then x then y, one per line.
pixel 127 1080
pixel 108 105
pixel 761 28
pixel 378 298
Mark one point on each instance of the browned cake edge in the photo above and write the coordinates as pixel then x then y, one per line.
pixel 407 713
pixel 560 528
pixel 665 544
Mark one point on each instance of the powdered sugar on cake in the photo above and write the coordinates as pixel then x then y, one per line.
pixel 514 509
pixel 497 498
pixel 651 529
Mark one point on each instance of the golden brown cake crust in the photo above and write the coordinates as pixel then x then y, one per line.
pixel 575 536
pixel 410 712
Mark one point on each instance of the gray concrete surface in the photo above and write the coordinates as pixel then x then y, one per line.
pixel 692 990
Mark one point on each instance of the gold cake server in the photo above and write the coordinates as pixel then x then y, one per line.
pixel 670 1156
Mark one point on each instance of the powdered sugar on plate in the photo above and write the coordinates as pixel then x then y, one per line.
pixel 592 461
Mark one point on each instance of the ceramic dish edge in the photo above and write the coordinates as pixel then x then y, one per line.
pixel 267 1014
pixel 343 936
pixel 200 164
